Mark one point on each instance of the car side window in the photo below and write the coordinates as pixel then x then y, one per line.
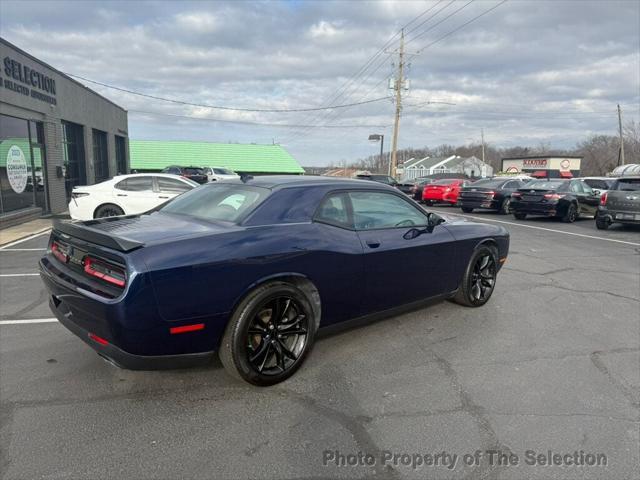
pixel 512 185
pixel 586 188
pixel 171 185
pixel 576 187
pixel 136 184
pixel 333 210
pixel 373 210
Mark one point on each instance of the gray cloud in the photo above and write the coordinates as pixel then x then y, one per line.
pixel 526 72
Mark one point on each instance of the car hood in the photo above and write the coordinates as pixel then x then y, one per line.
pixel 157 227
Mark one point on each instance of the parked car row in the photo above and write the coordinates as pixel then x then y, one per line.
pixel 607 200
pixel 202 174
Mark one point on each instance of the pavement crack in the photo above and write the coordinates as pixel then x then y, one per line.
pixel 620 386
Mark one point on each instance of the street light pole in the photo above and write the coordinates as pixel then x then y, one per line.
pixel 375 137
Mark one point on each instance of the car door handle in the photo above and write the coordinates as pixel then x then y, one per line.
pixel 373 243
pixel 162 196
pixel 121 195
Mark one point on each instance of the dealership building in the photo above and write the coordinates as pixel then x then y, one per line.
pixel 543 166
pixel 55 133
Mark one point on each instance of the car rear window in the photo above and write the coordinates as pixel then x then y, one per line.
pixel 629 184
pixel 222 171
pixel 194 171
pixel 547 184
pixel 489 182
pixel 444 181
pixel 227 203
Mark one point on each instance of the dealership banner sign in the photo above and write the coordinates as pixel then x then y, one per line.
pixel 28 81
pixel 17 171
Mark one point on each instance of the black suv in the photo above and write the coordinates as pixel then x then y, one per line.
pixel 192 173
pixel 620 204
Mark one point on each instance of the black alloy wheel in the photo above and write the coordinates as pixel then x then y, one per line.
pixel 269 334
pixel 571 215
pixel 108 210
pixel 277 336
pixel 479 278
pixel 505 207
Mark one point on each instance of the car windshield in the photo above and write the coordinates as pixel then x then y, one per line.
pixel 488 182
pixel 193 171
pixel 629 185
pixel 546 184
pixel 221 202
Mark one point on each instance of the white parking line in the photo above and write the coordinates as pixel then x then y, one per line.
pixel 35 235
pixel 33 320
pixel 19 274
pixel 483 219
pixel 22 250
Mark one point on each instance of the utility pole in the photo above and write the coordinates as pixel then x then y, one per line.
pixel 399 84
pixel 482 136
pixel 621 136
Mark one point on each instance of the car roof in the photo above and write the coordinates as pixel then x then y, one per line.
pixel 285 181
pixel 150 174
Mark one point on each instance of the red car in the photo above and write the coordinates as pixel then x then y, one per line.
pixel 445 190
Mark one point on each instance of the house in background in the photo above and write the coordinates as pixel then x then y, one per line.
pixel 154 155
pixel 470 166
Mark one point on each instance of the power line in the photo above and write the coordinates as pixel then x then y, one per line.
pixel 220 107
pixel 461 26
pixel 439 22
pixel 243 122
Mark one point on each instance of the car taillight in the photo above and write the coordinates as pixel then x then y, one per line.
pixel 491 194
pixel 105 271
pixel 553 196
pixel 78 194
pixel 58 251
pixel 603 199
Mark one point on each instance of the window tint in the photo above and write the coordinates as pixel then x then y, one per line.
pixel 222 171
pixel 373 210
pixel 170 185
pixel 629 184
pixel 193 171
pixel 333 210
pixel 512 185
pixel 576 187
pixel 595 183
pixel 547 184
pixel 217 202
pixel 586 188
pixel 136 184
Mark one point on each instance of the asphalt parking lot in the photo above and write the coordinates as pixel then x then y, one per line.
pixel 551 363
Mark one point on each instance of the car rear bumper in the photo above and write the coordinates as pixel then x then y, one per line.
pixel 119 357
pixel 544 209
pixel 99 325
pixel 619 216
pixel 492 204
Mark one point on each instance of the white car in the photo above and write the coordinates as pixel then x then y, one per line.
pixel 599 185
pixel 126 195
pixel 219 173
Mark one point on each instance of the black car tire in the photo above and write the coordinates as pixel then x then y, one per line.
pixel 476 279
pixel 466 209
pixel 602 223
pixel 519 215
pixel 235 350
pixel 505 206
pixel 571 214
pixel 108 210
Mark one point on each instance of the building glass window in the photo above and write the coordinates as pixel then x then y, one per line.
pixel 100 156
pixel 121 155
pixel 21 165
pixel 74 158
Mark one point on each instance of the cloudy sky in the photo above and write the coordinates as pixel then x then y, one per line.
pixel 526 72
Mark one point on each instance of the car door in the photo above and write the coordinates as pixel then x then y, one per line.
pixel 575 187
pixel 404 259
pixel 136 194
pixel 168 188
pixel 591 198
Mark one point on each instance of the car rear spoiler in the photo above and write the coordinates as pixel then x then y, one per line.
pixel 93 235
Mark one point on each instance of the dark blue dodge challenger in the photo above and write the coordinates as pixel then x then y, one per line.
pixel 252 268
